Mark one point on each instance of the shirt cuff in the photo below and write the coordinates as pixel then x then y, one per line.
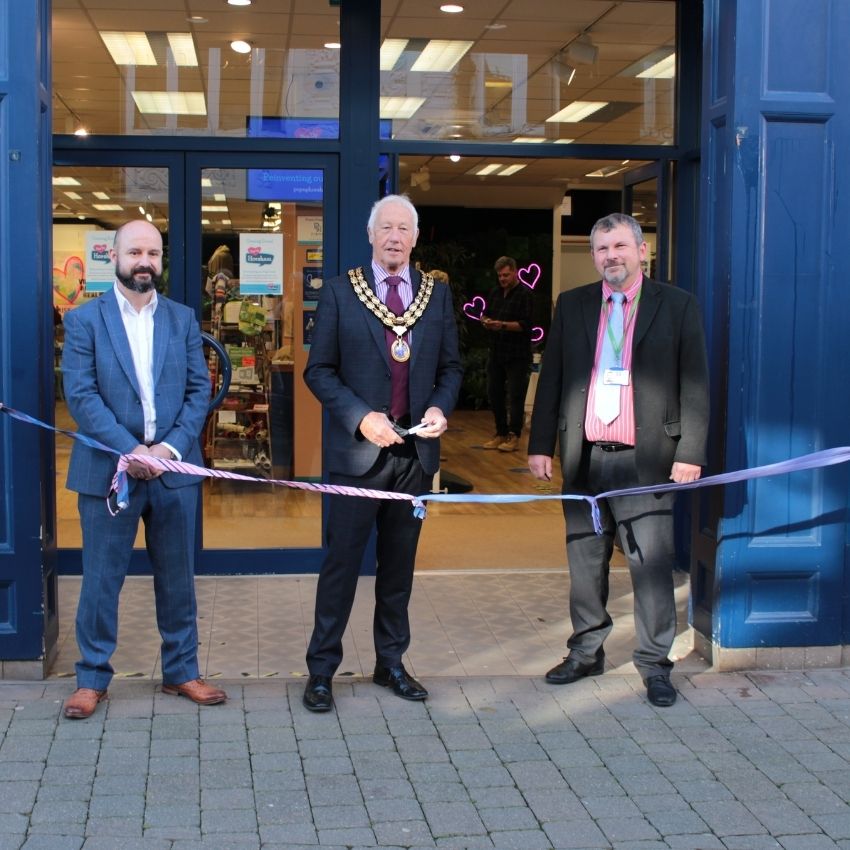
pixel 177 455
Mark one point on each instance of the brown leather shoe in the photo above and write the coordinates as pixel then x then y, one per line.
pixel 82 703
pixel 198 691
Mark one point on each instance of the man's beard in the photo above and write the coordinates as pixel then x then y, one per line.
pixel 129 280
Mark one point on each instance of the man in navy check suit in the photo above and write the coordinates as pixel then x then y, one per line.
pixel 136 380
pixel 384 357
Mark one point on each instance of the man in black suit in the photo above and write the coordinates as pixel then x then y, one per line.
pixel 384 357
pixel 624 387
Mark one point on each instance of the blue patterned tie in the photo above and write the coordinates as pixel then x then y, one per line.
pixel 607 406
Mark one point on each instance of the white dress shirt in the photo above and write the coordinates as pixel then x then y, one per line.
pixel 139 328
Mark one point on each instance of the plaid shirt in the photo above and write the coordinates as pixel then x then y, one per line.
pixel 516 306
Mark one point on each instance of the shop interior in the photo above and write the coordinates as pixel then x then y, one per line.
pixel 517 72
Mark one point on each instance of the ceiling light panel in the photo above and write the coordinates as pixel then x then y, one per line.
pixel 391 49
pixel 170 102
pixel 400 107
pixel 488 169
pixel 665 69
pixel 183 49
pixel 511 169
pixel 129 48
pixel 441 56
pixel 577 111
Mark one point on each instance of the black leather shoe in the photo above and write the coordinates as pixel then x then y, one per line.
pixel 571 670
pixel 317 694
pixel 659 691
pixel 397 678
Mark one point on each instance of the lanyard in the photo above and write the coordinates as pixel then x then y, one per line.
pixel 617 347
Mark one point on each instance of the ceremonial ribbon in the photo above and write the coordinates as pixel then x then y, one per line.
pixel 826 457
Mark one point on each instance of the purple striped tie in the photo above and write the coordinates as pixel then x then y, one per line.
pixel 400 403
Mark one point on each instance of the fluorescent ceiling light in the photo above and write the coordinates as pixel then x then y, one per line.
pixel 564 141
pixel 170 102
pixel 529 140
pixel 664 69
pixel 606 171
pixel 400 107
pixel 206 183
pixel 488 169
pixel 101 196
pixel 441 55
pixel 213 208
pixel 183 48
pixel 66 181
pixel 205 221
pixel 225 221
pixel 333 45
pixel 577 110
pixel 219 196
pixel 129 48
pixel 108 207
pixel 511 169
pixel 391 49
pixel 74 196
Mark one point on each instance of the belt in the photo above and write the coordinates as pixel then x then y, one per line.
pixel 612 447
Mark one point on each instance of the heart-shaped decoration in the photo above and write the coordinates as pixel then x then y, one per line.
pixel 475 309
pixel 68 281
pixel 537 334
pixel 529 275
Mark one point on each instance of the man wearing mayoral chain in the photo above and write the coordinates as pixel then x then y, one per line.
pixel 385 365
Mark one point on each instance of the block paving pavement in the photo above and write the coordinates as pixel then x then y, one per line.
pixel 742 761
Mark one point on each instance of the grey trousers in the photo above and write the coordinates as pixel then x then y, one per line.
pixel 645 526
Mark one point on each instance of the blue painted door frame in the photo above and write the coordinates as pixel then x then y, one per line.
pixel 776 100
pixel 28 622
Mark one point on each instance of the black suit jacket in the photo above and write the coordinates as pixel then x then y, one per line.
pixel 669 377
pixel 348 370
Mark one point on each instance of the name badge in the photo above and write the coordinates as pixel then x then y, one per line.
pixel 616 377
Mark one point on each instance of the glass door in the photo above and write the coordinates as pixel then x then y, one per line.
pixel 645 194
pixel 93 194
pixel 260 240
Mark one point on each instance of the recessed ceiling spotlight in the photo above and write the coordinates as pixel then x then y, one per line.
pixel 454 157
pixel 238 2
pixel 332 45
pixel 81 131
pixel 240 46
pixel 451 8
pixel 197 19
pixel 495 26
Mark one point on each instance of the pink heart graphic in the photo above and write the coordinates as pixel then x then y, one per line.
pixel 252 249
pixel 529 275
pixel 475 309
pixel 68 281
pixel 537 334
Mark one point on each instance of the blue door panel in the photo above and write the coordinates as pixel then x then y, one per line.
pixel 781 566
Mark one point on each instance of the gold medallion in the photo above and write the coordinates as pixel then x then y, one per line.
pixel 400 350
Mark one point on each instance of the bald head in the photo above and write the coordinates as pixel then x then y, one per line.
pixel 137 256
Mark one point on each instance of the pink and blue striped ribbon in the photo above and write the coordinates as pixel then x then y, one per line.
pixel 814 460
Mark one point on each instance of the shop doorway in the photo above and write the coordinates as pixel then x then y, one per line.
pixel 247 239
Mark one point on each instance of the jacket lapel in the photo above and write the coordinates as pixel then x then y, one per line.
pixel 376 327
pixel 418 329
pixel 161 334
pixel 118 335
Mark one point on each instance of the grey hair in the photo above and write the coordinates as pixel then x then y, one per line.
pixel 609 222
pixel 392 199
pixel 505 262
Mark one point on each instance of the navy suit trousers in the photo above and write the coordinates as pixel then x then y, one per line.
pixel 350 522
pixel 169 519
